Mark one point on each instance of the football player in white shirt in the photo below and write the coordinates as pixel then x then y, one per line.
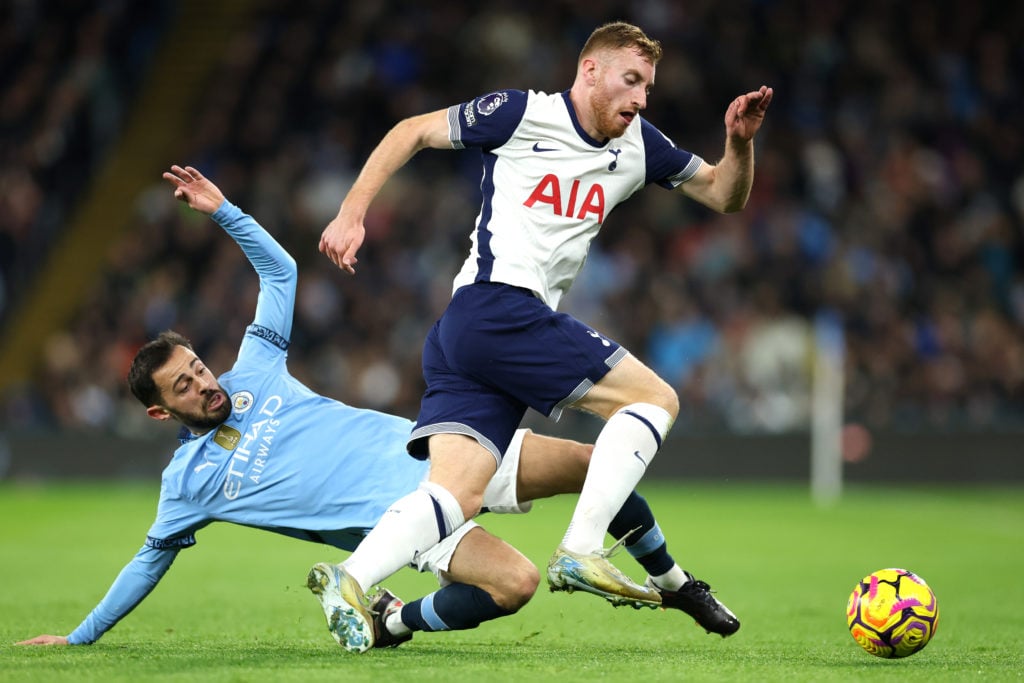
pixel 554 166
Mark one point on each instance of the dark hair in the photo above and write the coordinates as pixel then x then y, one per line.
pixel 619 34
pixel 150 358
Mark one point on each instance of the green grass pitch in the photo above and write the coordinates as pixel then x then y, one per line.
pixel 235 607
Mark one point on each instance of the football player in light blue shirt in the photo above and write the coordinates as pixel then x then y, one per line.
pixel 260 449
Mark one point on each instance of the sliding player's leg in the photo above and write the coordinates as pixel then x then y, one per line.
pixel 482 578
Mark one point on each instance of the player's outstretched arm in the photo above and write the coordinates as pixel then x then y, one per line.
pixel 725 187
pixel 44 640
pixel 194 189
pixel 344 235
pixel 136 580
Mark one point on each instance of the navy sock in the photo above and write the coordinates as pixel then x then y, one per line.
pixel 453 608
pixel 647 544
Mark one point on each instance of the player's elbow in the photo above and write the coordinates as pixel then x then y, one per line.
pixel 285 268
pixel 724 204
pixel 422 131
pixel 721 191
pixel 734 204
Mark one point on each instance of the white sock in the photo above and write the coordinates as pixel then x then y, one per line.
pixel 448 504
pixel 406 529
pixel 672 580
pixel 395 625
pixel 622 452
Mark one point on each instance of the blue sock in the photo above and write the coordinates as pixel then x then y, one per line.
pixel 647 544
pixel 453 608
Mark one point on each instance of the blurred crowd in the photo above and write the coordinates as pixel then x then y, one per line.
pixel 68 71
pixel 889 196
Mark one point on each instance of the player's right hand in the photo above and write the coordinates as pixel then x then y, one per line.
pixel 45 640
pixel 195 190
pixel 341 240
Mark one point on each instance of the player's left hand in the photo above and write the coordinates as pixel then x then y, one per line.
pixel 192 188
pixel 45 640
pixel 745 114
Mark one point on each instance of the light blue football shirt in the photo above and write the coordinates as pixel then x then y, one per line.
pixel 287 459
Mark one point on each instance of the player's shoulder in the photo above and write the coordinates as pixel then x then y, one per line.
pixel 542 99
pixel 649 130
pixel 173 474
pixel 498 105
pixel 259 370
pixel 187 451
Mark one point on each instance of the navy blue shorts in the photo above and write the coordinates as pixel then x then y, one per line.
pixel 496 351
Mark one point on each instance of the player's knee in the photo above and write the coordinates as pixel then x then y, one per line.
pixel 580 454
pixel 471 504
pixel 519 583
pixel 653 391
pixel 665 397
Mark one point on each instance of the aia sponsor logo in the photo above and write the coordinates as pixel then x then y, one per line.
pixel 573 201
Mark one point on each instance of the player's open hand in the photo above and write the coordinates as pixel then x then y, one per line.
pixel 192 188
pixel 745 114
pixel 45 640
pixel 341 240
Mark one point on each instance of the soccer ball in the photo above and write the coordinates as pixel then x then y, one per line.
pixel 892 613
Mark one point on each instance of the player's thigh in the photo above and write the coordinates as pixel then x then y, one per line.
pixel 549 466
pixel 508 340
pixel 630 381
pixel 459 403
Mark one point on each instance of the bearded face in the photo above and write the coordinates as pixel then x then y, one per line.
pixel 213 410
pixel 190 393
pixel 622 79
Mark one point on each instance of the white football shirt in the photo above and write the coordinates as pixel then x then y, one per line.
pixel 548 186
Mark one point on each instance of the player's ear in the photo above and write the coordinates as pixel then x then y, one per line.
pixel 158 413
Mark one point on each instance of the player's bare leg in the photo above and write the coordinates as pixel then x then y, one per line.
pixel 486 578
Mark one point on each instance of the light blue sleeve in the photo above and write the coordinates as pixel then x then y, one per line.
pixel 278 280
pixel 132 585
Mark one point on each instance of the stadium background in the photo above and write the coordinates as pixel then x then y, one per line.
pixel 889 193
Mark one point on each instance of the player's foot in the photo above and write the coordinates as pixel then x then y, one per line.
pixel 345 606
pixel 383 604
pixel 694 597
pixel 593 573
